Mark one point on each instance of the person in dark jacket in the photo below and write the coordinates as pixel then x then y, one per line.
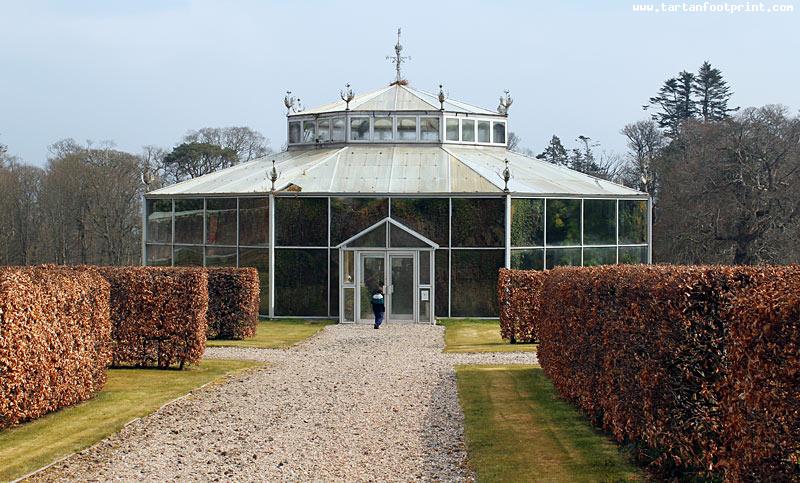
pixel 378 304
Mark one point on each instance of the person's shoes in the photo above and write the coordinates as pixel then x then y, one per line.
pixel 376 326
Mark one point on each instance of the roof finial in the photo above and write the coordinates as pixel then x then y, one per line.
pixel 506 176
pixel 347 96
pixel 505 103
pixel 292 104
pixel 398 60
pixel 441 98
pixel 273 175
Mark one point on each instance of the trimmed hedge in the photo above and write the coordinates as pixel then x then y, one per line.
pixel 696 367
pixel 233 301
pixel 518 295
pixel 158 315
pixel 54 339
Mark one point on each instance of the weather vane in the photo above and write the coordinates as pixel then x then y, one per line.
pixel 398 59
pixel 505 103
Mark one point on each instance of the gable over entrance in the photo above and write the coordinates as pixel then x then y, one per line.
pixel 396 255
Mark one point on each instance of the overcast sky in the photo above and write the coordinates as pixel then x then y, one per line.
pixel 145 72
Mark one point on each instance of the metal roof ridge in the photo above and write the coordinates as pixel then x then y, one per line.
pixel 455 102
pixel 214 174
pixel 414 92
pixel 315 164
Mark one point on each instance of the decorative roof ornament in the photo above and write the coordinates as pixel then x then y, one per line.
pixel 397 60
pixel 347 96
pixel 506 176
pixel 441 98
pixel 505 103
pixel 273 175
pixel 292 104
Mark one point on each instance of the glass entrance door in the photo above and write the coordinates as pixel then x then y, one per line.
pixel 401 287
pixel 372 272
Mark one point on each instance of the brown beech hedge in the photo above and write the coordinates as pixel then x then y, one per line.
pixel 54 339
pixel 697 368
pixel 233 300
pixel 518 295
pixel 158 315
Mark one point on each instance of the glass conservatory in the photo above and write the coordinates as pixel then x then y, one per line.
pixel 401 186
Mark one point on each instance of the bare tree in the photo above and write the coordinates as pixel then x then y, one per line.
pixel 247 143
pixel 645 143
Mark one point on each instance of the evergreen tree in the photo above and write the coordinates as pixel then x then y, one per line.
pixel 582 159
pixel 675 102
pixel 712 94
pixel 555 152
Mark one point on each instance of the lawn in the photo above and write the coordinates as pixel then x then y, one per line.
pixel 477 335
pixel 518 430
pixel 276 334
pixel 128 394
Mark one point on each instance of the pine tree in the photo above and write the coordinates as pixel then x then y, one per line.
pixel 555 152
pixel 675 102
pixel 712 94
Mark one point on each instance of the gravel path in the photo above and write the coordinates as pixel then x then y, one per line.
pixel 350 404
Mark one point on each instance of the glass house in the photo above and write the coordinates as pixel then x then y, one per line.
pixel 396 185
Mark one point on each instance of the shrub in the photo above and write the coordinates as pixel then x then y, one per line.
pixel 158 315
pixel 233 301
pixel 518 295
pixel 697 367
pixel 54 340
pixel 761 387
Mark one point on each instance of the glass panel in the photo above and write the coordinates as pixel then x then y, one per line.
pixel 427 216
pixel 478 222
pixel 484 133
pixel 632 222
pixel 441 280
pixel 407 128
pixel 221 221
pixel 359 129
pixel 382 131
pixel 253 221
pixel 424 268
pixel 324 130
pixel 352 215
pixel 375 238
pixel 159 255
pixel 401 299
pixel 294 132
pixel 349 267
pixel 188 256
pixel 159 221
pixel 474 282
pixel 400 238
pixel 301 222
pixel 557 257
pixel 599 256
pixel 633 255
pixel 308 132
pixel 600 222
pixel 527 222
pixel 333 275
pixel 372 274
pixel 220 256
pixel 189 221
pixel 468 130
pixel 301 282
pixel 529 259
pixel 338 129
pixel 349 304
pixel 258 258
pixel 425 304
pixel 429 128
pixel 499 132
pixel 451 126
pixel 563 222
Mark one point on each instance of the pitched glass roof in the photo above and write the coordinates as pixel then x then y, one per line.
pixel 400 169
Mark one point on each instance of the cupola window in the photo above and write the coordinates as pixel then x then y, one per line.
pixel 383 129
pixel 407 128
pixel 429 128
pixel 468 130
pixel 484 132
